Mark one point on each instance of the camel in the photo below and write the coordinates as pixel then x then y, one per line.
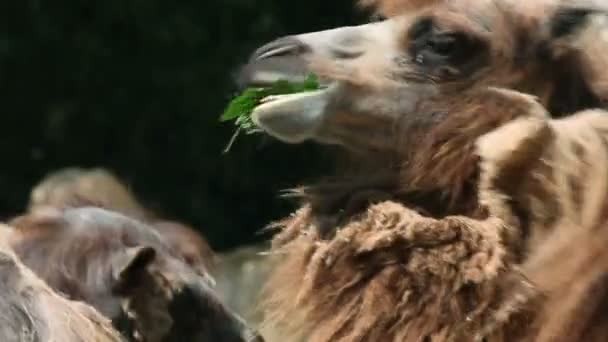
pixel 237 274
pixel 470 199
pixel 73 187
pixel 31 311
pixel 126 271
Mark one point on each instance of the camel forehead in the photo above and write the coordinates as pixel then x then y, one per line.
pixel 487 14
pixel 482 12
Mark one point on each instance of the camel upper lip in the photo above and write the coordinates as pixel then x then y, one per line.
pixel 264 72
pixel 261 73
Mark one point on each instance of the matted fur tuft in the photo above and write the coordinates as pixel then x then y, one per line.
pixel 422 277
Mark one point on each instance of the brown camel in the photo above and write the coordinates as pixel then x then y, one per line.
pixel 472 204
pixel 72 187
pixel 125 270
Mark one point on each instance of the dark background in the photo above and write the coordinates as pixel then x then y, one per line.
pixel 137 86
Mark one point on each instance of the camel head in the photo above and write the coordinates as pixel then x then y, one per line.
pixel 384 79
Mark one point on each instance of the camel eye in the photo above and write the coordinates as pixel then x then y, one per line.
pixel 444 45
pixel 435 48
pixel 377 17
pixel 446 48
pixel 440 49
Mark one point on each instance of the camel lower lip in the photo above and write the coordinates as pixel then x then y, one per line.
pixel 292 118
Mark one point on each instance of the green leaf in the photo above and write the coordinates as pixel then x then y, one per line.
pixel 244 103
pixel 241 107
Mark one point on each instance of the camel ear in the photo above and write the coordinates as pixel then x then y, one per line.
pixel 41 217
pixel 577 42
pixel 129 266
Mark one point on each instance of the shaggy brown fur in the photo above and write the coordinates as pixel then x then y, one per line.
pixel 126 271
pixel 392 274
pixel 456 224
pixel 31 312
pixel 76 187
pixel 422 277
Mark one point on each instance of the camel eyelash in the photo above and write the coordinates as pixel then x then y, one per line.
pixel 377 17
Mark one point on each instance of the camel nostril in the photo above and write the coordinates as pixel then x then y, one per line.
pixel 286 46
pixel 345 53
pixel 251 335
pixel 257 338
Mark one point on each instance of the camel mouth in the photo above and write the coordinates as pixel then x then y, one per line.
pixel 258 77
pixel 293 118
pixel 290 118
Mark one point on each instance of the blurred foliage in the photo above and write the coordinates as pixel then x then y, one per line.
pixel 137 86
